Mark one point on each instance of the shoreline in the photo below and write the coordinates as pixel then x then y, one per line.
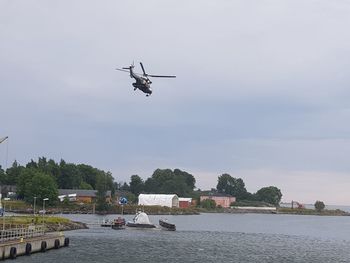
pixel 154 210
pixel 72 225
pixel 51 223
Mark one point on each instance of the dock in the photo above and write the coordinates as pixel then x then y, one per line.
pixel 27 240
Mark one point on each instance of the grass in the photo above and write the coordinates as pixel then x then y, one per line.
pixel 26 220
pixel 15 204
pixel 305 211
pixel 252 203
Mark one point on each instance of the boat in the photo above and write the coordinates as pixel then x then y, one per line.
pixel 118 223
pixel 166 225
pixel 140 220
pixel 106 223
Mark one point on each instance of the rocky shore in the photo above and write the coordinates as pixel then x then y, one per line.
pixel 72 225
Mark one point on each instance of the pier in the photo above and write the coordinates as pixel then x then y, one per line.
pixel 27 240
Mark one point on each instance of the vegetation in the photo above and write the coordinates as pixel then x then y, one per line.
pixel 51 223
pixel 232 186
pixel 164 181
pixel 24 220
pixel 43 178
pixel 319 206
pixel 270 195
pixel 208 204
pixel 305 211
pixel 251 203
pixel 236 187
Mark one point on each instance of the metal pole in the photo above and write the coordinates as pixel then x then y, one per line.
pixel 3 218
pixel 43 209
pixel 44 212
pixel 34 205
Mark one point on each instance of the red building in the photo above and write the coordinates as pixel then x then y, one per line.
pixel 185 202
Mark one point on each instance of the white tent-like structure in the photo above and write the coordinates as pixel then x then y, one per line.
pixel 171 200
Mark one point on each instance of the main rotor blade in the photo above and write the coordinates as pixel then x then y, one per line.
pixel 124 70
pixel 161 76
pixel 144 72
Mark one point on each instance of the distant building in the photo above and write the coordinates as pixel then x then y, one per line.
pixel 220 199
pixel 80 195
pixel 8 190
pixel 170 200
pixel 185 202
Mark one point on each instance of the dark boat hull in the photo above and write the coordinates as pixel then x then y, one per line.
pixel 167 226
pixel 118 223
pixel 118 227
pixel 129 224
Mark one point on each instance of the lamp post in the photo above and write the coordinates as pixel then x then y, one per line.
pixel 3 218
pixel 34 205
pixel 44 212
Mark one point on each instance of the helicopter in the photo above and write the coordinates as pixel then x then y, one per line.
pixel 143 82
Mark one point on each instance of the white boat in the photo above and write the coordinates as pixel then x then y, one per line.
pixel 106 223
pixel 140 220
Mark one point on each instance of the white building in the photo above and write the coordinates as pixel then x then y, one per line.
pixel 171 200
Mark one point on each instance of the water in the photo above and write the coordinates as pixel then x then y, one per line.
pixel 210 238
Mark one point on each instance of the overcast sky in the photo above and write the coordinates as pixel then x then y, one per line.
pixel 262 90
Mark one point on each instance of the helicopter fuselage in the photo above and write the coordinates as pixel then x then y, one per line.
pixel 143 84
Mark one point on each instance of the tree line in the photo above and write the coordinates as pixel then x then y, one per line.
pixel 236 187
pixel 164 181
pixel 42 178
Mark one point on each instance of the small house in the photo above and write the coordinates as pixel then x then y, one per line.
pixel 185 202
pixel 222 200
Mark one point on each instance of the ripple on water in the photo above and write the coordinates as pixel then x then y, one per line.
pixel 106 245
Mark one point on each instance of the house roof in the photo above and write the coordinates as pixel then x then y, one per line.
pixel 81 192
pixel 185 199
pixel 217 194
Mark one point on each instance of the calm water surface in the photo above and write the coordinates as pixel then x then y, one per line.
pixel 210 238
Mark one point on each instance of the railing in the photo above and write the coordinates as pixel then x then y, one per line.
pixel 21 232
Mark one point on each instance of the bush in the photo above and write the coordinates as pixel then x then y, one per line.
pixel 319 206
pixel 208 204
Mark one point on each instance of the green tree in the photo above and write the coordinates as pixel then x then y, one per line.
pixel 124 187
pixel 166 181
pixel 42 186
pixel 13 173
pixel 270 195
pixel 65 175
pixel 69 177
pixel 88 174
pixel 3 178
pixel 110 183
pixel 85 185
pixel 136 185
pixel 319 206
pixel 32 164
pixel 189 178
pixel 101 187
pixel 53 169
pixel 33 182
pixel 232 186
pixel 208 204
pixel 24 182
